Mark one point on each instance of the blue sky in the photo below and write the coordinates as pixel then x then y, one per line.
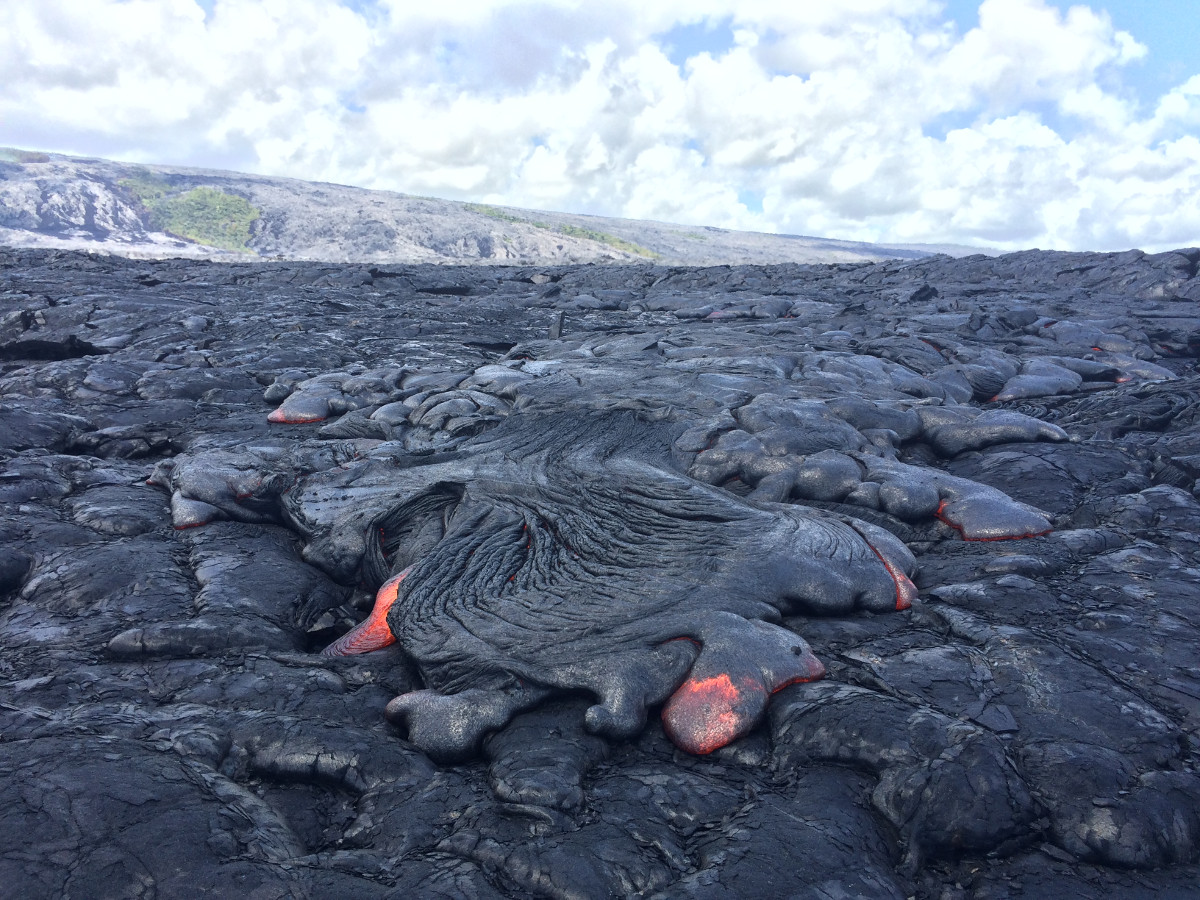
pixel 683 42
pixel 1005 123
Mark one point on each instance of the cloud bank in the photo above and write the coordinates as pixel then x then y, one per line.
pixel 875 120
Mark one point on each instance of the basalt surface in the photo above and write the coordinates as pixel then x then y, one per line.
pixel 637 581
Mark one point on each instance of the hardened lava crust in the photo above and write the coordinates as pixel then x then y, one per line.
pixel 874 580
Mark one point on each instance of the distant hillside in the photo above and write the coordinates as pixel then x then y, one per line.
pixel 51 200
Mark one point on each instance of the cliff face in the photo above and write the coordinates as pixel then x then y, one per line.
pixel 64 201
pixel 49 200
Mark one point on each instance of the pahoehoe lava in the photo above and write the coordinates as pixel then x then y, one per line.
pixel 902 555
pixel 575 560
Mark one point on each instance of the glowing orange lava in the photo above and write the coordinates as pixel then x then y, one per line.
pixel 707 713
pixel 373 632
pixel 906 591
pixel 280 417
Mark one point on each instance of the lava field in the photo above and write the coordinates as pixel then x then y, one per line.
pixel 810 581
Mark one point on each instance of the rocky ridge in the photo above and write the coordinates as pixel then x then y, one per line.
pixel 51 200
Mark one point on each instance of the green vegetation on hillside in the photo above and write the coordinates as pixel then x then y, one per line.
pixel 600 237
pixel 12 154
pixel 203 215
pixel 493 212
pixel 210 217
pixel 604 237
pixel 147 189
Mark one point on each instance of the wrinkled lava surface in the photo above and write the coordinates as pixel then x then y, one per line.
pixel 808 581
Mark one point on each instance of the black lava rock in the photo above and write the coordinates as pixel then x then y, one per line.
pixel 746 581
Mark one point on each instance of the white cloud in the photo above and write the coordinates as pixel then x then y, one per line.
pixel 867 119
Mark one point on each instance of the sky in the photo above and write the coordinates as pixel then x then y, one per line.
pixel 1003 123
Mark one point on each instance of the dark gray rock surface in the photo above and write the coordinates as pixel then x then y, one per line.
pixel 633 507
